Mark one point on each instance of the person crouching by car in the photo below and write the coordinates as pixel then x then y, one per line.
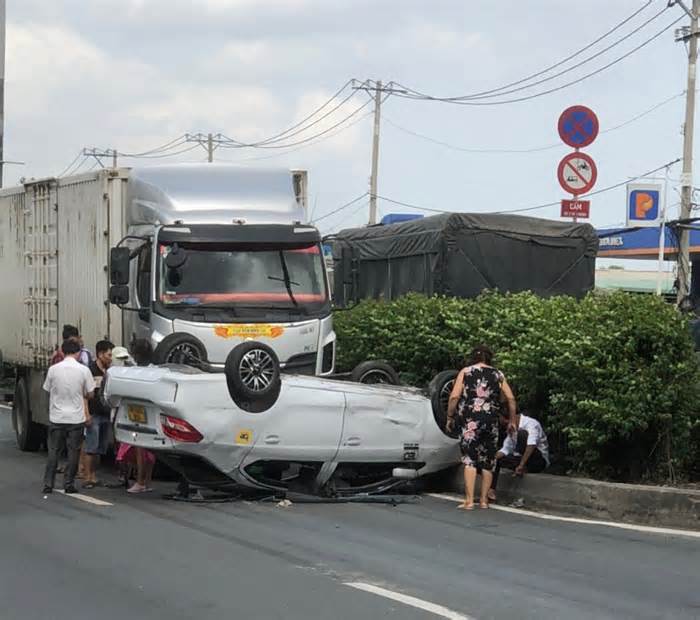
pixel 142 352
pixel 69 385
pixel 97 434
pixel 526 451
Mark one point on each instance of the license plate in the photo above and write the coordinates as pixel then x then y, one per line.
pixel 136 414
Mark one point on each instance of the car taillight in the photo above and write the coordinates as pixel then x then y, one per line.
pixel 179 430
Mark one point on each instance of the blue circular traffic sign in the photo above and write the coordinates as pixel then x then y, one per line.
pixel 578 126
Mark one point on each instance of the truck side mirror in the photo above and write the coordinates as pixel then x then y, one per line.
pixel 119 259
pixel 119 295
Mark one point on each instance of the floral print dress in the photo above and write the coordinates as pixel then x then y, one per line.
pixel 477 413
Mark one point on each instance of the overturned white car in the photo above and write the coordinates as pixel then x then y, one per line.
pixel 255 427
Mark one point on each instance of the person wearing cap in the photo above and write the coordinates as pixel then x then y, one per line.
pixel 121 357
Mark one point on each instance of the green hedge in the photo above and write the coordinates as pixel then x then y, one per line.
pixel 613 377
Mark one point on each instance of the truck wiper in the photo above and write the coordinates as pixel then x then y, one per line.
pixel 287 279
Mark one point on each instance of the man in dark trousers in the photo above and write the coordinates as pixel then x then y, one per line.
pixel 528 451
pixel 97 434
pixel 69 385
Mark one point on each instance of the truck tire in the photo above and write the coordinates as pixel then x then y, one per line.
pixel 375 372
pixel 180 348
pixel 28 434
pixel 439 390
pixel 253 376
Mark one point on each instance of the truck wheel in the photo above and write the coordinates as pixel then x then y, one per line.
pixel 375 373
pixel 439 390
pixel 28 434
pixel 180 348
pixel 253 376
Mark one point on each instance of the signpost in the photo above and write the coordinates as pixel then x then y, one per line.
pixel 577 173
pixel 576 208
pixel 578 126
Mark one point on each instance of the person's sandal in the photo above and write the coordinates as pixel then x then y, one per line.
pixel 465 506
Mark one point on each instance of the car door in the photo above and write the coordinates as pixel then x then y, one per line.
pixel 382 424
pixel 304 425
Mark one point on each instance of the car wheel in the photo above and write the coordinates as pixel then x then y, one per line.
pixel 440 389
pixel 253 376
pixel 373 373
pixel 28 434
pixel 180 348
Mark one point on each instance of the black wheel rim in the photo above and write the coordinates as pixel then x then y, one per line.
pixel 257 370
pixel 445 395
pixel 376 377
pixel 184 353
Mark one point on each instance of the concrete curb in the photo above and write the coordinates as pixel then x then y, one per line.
pixel 592 499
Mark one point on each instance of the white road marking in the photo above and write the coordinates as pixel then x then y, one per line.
pixel 86 498
pixel 6 407
pixel 412 601
pixel 547 517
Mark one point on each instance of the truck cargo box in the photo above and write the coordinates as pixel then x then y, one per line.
pixel 55 236
pixel 462 254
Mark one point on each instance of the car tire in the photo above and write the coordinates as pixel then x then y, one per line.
pixel 375 372
pixel 180 348
pixel 28 434
pixel 253 376
pixel 439 389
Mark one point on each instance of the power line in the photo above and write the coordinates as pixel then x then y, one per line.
pixel 288 133
pixel 174 143
pixel 345 219
pixel 544 205
pixel 161 156
pixel 64 172
pixel 500 92
pixel 551 90
pixel 307 145
pixel 318 135
pixel 549 68
pixel 557 145
pixel 339 209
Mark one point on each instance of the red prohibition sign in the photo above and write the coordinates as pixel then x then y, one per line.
pixel 577 173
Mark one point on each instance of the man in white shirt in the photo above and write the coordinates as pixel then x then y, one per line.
pixel 528 451
pixel 69 384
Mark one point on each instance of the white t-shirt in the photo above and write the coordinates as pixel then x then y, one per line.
pixel 535 437
pixel 68 383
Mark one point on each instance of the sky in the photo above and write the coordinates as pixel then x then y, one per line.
pixel 135 74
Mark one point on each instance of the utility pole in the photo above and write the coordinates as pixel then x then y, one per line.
pixel 2 89
pixel 691 37
pixel 210 148
pixel 98 155
pixel 378 90
pixel 375 154
pixel 209 141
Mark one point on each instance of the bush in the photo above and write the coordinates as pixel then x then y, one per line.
pixel 613 378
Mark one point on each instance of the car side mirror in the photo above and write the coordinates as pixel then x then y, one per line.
pixel 119 259
pixel 119 295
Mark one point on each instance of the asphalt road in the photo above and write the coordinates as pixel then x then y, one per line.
pixel 149 558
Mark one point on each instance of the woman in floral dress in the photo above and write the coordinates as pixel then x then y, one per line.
pixel 475 402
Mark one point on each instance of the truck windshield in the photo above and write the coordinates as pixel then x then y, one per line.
pixel 243 276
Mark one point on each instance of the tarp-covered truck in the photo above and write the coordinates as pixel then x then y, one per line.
pixel 195 258
pixel 462 254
